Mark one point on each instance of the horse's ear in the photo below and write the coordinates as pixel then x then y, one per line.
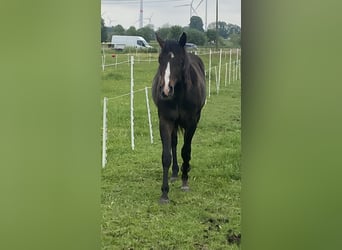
pixel 182 40
pixel 160 41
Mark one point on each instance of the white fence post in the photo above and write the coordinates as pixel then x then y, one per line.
pixel 132 107
pixel 230 64
pixel 236 64
pixel 217 83
pixel 149 115
pixel 103 59
pixel 219 70
pixel 225 75
pixel 104 133
pixel 209 70
pixel 240 67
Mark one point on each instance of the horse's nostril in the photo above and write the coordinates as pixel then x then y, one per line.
pixel 166 91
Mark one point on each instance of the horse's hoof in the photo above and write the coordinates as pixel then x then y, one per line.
pixel 173 178
pixel 185 188
pixel 164 200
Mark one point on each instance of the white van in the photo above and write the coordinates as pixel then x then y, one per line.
pixel 120 42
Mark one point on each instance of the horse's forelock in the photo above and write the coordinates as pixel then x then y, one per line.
pixel 170 45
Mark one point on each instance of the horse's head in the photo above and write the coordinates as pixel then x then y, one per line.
pixel 172 61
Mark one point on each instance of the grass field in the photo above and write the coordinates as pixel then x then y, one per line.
pixel 209 215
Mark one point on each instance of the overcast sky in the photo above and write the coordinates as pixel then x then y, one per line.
pixel 161 12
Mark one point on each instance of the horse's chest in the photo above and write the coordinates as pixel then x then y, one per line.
pixel 184 113
pixel 180 112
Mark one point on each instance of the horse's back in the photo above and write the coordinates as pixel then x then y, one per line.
pixel 197 62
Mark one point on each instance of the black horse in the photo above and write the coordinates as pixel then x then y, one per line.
pixel 178 91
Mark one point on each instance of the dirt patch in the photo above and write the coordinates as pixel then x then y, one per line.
pixel 233 238
pixel 216 225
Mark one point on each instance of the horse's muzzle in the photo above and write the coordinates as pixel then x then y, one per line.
pixel 166 92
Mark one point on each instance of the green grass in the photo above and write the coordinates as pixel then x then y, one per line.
pixel 202 218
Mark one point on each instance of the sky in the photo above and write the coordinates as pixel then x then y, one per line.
pixel 171 12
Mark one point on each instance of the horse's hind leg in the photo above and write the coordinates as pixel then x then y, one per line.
pixel 186 155
pixel 175 168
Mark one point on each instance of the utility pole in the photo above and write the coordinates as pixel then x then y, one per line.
pixel 216 42
pixel 206 16
pixel 141 18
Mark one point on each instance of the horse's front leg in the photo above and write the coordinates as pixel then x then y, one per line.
pixel 186 155
pixel 175 168
pixel 165 128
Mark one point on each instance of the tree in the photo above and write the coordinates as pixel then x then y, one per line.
pixel 195 36
pixel 224 29
pixel 235 39
pixel 118 30
pixel 132 31
pixel 233 29
pixel 104 34
pixel 211 35
pixel 174 32
pixel 146 32
pixel 163 32
pixel 196 23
